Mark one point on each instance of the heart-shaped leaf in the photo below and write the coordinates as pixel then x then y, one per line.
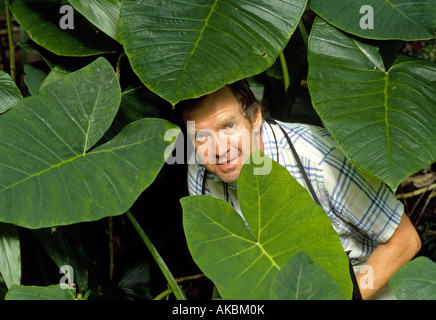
pixel 302 279
pixel 184 49
pixel 49 175
pixel 380 19
pixel 9 93
pixel 416 280
pixel 379 118
pixel 283 220
pixel 41 20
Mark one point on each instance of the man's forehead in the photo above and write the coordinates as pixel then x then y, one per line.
pixel 212 105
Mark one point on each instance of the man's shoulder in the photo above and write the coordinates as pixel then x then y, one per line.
pixel 311 142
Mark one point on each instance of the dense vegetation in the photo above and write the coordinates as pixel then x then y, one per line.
pixel 87 93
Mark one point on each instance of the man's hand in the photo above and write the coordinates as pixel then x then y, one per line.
pixel 388 257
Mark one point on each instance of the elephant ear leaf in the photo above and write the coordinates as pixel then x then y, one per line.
pixel 184 49
pixel 378 117
pixel 52 172
pixel 282 221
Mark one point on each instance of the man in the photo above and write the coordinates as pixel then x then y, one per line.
pixel 366 215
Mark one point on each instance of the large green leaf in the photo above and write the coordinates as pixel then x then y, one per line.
pixel 49 175
pixel 104 14
pixel 302 279
pixel 283 220
pixel 184 49
pixel 9 93
pixel 10 254
pixel 416 280
pixel 394 19
pixel 383 120
pixel 40 19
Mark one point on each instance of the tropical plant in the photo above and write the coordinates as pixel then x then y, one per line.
pixel 244 260
pixel 84 138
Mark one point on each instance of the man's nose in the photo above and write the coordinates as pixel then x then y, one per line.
pixel 221 146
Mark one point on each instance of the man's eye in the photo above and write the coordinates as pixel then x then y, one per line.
pixel 201 137
pixel 230 126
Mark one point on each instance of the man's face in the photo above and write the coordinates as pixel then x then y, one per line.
pixel 224 137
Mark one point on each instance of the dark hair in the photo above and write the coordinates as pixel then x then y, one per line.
pixel 242 92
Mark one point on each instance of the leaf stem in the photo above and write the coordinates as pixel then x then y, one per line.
pixel 178 292
pixel 303 32
pixel 118 67
pixel 164 294
pixel 286 80
pixel 87 294
pixel 11 40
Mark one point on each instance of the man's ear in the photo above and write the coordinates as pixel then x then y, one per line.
pixel 257 123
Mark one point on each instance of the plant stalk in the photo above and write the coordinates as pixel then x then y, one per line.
pixel 178 292
pixel 118 67
pixel 286 80
pixel 303 32
pixel 11 40
pixel 164 294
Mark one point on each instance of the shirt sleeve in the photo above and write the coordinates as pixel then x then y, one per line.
pixel 360 199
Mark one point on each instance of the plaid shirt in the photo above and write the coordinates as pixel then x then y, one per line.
pixel 362 210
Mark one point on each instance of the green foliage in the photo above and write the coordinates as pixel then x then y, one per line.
pixel 302 279
pixel 40 19
pixel 399 19
pixel 186 49
pixel 415 280
pixel 9 93
pixel 282 220
pixel 53 292
pixel 369 110
pixel 82 142
pixel 103 14
pixel 10 258
pixel 55 178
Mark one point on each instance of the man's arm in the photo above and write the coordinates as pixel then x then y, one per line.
pixel 388 257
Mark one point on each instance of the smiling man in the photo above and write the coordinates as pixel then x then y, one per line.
pixel 227 125
pixel 224 134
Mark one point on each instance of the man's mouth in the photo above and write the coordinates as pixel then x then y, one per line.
pixel 228 163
